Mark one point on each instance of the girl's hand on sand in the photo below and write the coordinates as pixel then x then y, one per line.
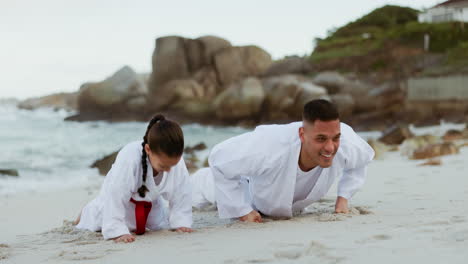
pixel 252 217
pixel 341 206
pixel 125 238
pixel 184 230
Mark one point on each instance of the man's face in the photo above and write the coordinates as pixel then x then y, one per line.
pixel 161 162
pixel 320 141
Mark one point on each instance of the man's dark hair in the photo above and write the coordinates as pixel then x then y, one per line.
pixel 320 109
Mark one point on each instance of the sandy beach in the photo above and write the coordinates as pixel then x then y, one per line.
pixel 405 213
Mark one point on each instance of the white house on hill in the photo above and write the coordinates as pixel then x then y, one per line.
pixel 452 10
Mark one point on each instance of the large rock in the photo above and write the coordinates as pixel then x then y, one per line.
pixel 241 100
pixel 67 101
pixel 177 92
pixel 169 61
pixel 396 134
pixel 410 145
pixel 176 58
pixel 9 172
pixel 435 150
pixel 111 93
pixel 235 63
pixel 379 148
pixel 105 164
pixel 208 79
pixel 211 45
pixel 289 65
pixel 286 96
pixel 332 81
pixel 345 104
pixel 453 135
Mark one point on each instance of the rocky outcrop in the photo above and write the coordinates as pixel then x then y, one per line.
pixel 332 81
pixel 396 134
pixel 67 101
pixel 286 96
pixel 235 63
pixel 169 61
pixel 345 104
pixel 176 58
pixel 240 101
pixel 410 145
pixel 289 65
pixel 453 135
pixel 105 164
pixel 435 150
pixel 122 95
pixel 379 148
pixel 9 172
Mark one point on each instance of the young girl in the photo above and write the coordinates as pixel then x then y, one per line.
pixel 142 174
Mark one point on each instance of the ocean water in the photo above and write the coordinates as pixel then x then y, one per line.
pixel 50 153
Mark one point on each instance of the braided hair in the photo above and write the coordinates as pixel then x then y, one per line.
pixel 163 137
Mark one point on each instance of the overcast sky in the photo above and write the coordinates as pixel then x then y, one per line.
pixel 50 46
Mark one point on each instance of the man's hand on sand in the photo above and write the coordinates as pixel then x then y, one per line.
pixel 341 206
pixel 253 216
pixel 127 238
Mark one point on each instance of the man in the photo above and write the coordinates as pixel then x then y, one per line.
pixel 278 170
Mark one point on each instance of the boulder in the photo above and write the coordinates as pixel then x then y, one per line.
pixel 410 145
pixel 105 164
pixel 111 94
pixel 241 100
pixel 208 79
pixel 211 45
pixel 197 147
pixel 345 104
pixel 396 134
pixel 67 101
pixel 169 61
pixel 379 148
pixel 235 63
pixel 9 172
pixel 289 65
pixel 286 96
pixel 176 92
pixel 194 54
pixel 452 135
pixel 332 81
pixel 177 58
pixel 435 150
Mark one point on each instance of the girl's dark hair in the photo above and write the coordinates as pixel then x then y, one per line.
pixel 320 109
pixel 163 137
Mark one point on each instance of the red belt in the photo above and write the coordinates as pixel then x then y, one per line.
pixel 142 210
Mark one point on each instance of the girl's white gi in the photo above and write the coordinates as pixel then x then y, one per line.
pixel 113 213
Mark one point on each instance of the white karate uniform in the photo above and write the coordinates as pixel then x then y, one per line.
pixel 268 158
pixel 113 213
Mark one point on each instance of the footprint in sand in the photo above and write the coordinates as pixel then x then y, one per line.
pixel 382 237
pixel 457 219
pixel 379 237
pixel 4 251
pixel 460 236
pixel 438 223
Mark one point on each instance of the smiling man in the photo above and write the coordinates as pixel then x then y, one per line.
pixel 278 170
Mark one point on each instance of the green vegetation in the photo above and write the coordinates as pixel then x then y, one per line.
pixel 458 56
pixel 373 37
